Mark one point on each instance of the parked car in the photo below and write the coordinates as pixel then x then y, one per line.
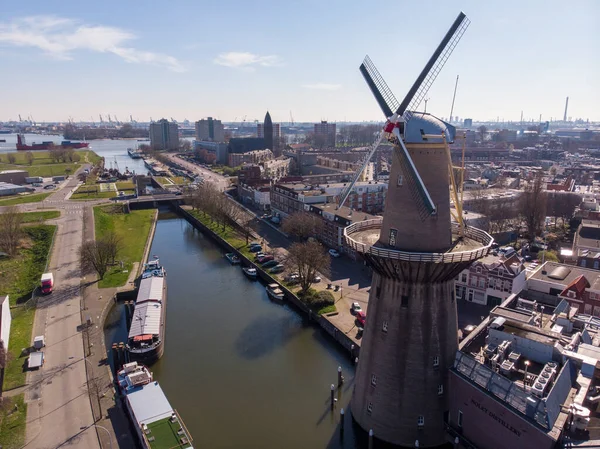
pixel 255 249
pixel 361 318
pixel 270 264
pixel 293 278
pixel 334 253
pixel 277 269
pixel 49 186
pixel 257 255
pixel 316 279
pixel 265 258
pixel 250 245
pixel 355 308
pixel 121 193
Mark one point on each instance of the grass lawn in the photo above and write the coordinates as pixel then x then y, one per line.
pixel 91 192
pixel 19 276
pixel 22 199
pixel 43 165
pixel 35 217
pixel 133 229
pixel 163 180
pixel 126 185
pixel 12 422
pixel 180 180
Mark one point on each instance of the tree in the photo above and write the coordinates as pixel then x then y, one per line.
pixel 11 158
pixel 482 130
pixel 308 259
pixel 29 156
pixel 10 230
pixel 113 244
pixel 185 144
pixel 95 256
pixel 303 225
pixel 533 206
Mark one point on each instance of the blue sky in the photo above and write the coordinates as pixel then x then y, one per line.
pixel 230 59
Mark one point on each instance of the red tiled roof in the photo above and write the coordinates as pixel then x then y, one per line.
pixel 578 285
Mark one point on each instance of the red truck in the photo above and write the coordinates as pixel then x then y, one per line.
pixel 47 283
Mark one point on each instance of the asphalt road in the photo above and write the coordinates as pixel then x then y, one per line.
pixel 220 182
pixel 59 412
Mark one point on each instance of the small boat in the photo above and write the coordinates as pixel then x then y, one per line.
pixel 232 258
pixel 250 272
pixel 275 292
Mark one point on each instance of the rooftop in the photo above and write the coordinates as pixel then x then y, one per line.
pixel 560 274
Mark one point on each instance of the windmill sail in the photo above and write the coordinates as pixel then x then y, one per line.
pixel 415 184
pixel 383 94
pixel 421 86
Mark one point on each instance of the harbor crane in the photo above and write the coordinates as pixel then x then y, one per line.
pixel 101 120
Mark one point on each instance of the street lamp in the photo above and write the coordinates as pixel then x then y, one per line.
pixel 526 366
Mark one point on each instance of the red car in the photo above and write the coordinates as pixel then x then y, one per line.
pixel 361 317
pixel 265 258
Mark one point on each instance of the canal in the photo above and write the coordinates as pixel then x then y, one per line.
pixel 242 371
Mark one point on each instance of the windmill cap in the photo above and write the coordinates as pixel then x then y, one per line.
pixel 422 123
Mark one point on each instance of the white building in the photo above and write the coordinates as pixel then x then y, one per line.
pixel 5 320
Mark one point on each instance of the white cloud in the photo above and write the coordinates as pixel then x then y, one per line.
pixel 246 60
pixel 322 86
pixel 60 37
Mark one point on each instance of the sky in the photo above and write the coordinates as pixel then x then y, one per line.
pixel 235 59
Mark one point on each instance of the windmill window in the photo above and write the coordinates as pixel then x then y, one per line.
pixel 421 421
pixel 404 302
pixel 370 408
pixel 373 379
pixel 436 361
pixel 393 234
pixel 378 292
pixel 385 326
pixel 400 180
pixel 440 390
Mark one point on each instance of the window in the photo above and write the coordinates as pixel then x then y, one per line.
pixel 571 294
pixel 369 408
pixel 491 283
pixel 587 309
pixel 385 326
pixel 400 180
pixel 464 278
pixel 481 283
pixel 470 297
pixel 596 311
pixel 583 263
pixel 378 292
pixel 404 302
pixel 460 418
pixel 440 390
pixel 458 290
pixel 373 379
pixel 436 361
pixel 393 234
pixel 421 421
pixel 596 264
pixel 500 271
pixel 478 270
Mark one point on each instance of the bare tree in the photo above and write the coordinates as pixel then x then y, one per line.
pixel 29 156
pixel 303 225
pixel 308 259
pixel 185 144
pixel 113 244
pixel 95 387
pixel 11 158
pixel 533 206
pixel 10 229
pixel 95 256
pixel 482 130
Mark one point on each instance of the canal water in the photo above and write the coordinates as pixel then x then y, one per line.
pixel 242 371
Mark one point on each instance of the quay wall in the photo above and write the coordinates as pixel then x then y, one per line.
pixel 337 334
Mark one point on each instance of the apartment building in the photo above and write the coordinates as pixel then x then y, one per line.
pixel 325 134
pixel 210 129
pixel 164 135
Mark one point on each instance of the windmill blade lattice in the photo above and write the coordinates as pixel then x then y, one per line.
pixel 383 94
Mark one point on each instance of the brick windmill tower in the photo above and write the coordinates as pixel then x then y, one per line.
pixel 415 251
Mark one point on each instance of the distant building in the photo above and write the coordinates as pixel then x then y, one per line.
pixel 7 189
pixel 250 157
pixel 245 144
pixel 14 176
pixel 164 135
pixel 586 244
pixel 325 134
pixel 217 150
pixel 335 219
pixel 468 122
pixel 210 130
pixel 270 131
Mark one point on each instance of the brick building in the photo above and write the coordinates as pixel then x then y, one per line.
pixel 491 280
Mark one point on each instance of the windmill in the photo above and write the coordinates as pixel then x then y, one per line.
pixel 415 252
pixel 398 115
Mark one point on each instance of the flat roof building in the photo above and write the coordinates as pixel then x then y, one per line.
pixel 210 130
pixel 164 135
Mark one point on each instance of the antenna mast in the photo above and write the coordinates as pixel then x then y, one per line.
pixel 453 98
